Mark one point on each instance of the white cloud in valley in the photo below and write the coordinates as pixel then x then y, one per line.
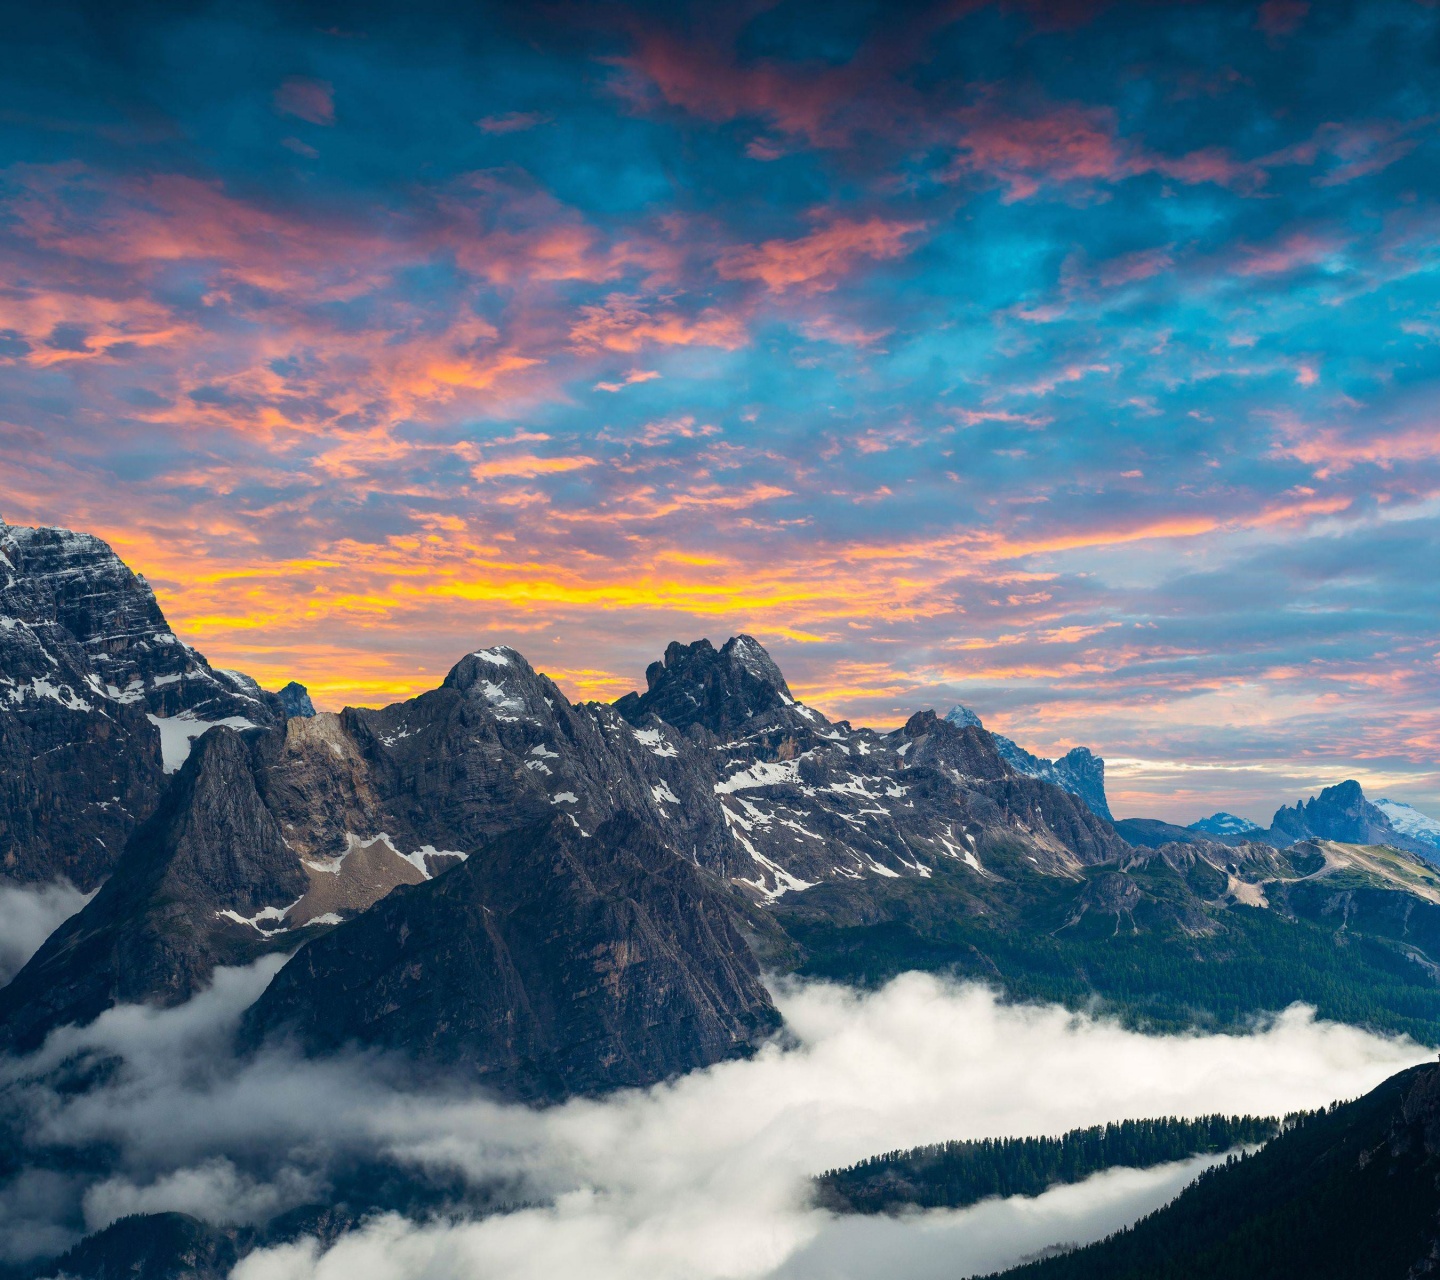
pixel 703 1178
pixel 28 915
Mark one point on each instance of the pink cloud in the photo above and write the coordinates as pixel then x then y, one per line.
pixel 816 261
pixel 1075 143
pixel 312 100
pixel 1299 249
pixel 1065 144
pixel 1131 267
pixel 627 323
pixel 1331 451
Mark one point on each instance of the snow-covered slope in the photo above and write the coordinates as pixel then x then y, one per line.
pixel 1409 821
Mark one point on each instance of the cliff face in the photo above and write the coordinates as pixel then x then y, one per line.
pixel 98 700
pixel 1079 771
pixel 549 964
pixel 209 861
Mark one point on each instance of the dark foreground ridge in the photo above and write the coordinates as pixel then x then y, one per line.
pixel 951 1175
pixel 1344 1194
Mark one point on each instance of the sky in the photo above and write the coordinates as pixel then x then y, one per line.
pixel 1072 360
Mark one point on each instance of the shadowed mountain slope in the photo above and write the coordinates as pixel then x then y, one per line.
pixel 211 857
pixel 1342 1194
pixel 98 700
pixel 550 963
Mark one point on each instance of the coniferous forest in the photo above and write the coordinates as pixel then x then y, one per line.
pixel 950 1175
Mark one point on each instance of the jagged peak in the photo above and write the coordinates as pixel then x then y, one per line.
pixel 295 699
pixel 493 664
pixel 722 689
pixel 756 659
pixel 962 715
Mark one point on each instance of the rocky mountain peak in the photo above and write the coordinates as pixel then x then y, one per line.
pixel 968 751
pixel 1338 813
pixel 1079 771
pixel 98 700
pixel 723 689
pixel 295 699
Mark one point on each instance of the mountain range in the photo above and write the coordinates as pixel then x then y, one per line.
pixel 223 822
pixel 549 899
pixel 1341 813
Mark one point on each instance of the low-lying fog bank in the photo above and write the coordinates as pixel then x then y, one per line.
pixel 704 1177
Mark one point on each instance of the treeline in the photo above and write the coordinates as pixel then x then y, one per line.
pixel 1346 1193
pixel 1156 981
pixel 951 1175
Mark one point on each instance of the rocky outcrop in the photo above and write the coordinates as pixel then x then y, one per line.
pixel 721 689
pixel 1079 771
pixel 550 963
pixel 295 700
pixel 197 884
pixel 98 700
pixel 1340 813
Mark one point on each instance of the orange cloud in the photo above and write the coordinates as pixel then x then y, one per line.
pixel 527 465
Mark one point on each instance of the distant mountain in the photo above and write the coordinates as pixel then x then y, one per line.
pixel 1079 771
pixel 1226 824
pixel 1411 823
pixel 1340 1194
pixel 1340 812
pixel 1152 833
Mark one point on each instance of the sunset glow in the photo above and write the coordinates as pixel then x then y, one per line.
pixel 1076 361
